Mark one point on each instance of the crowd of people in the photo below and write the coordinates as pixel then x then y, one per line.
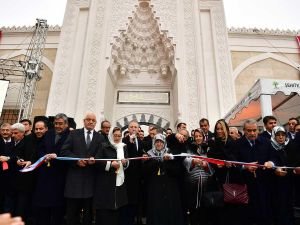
pixel 124 178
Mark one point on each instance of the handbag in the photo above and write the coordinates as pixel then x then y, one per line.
pixel 213 196
pixel 235 193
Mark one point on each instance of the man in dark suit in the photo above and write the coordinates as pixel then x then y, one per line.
pixel 252 148
pixel 23 183
pixel 132 174
pixel 82 143
pixel 208 135
pixel 48 198
pixel 269 122
pixel 293 122
pixel 105 127
pixel 148 140
pixel 6 168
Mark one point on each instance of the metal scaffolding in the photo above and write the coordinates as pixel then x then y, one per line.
pixel 29 68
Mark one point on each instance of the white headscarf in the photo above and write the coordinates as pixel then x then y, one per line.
pixel 120 155
pixel 274 143
pixel 153 151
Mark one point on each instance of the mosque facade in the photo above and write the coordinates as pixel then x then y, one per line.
pixel 156 61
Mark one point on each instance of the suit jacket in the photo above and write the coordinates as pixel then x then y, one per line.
pixel 290 135
pixel 7 175
pixel 80 180
pixel 147 142
pixel 259 185
pixel 133 172
pixel 210 139
pixel 175 146
pixel 50 181
pixel 261 153
pixel 293 154
pixel 104 137
pixel 25 149
pixel 265 134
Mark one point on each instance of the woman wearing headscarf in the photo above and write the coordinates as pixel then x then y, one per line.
pixel 282 188
pixel 196 177
pixel 110 192
pixel 163 197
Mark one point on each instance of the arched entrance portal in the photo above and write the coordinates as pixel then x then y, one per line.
pixel 142 74
pixel 143 119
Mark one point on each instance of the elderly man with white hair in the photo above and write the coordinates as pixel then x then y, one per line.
pixel 82 143
pixel 23 184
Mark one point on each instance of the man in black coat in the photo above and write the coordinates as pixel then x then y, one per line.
pixel 178 142
pixel 48 198
pixel 252 148
pixel 6 168
pixel 208 135
pixel 291 127
pixel 105 127
pixel 269 123
pixel 132 174
pixel 82 143
pixel 148 140
pixel 23 183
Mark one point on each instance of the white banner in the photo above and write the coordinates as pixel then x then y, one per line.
pixel 3 91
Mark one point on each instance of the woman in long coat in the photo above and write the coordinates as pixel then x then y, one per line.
pixel 196 179
pixel 220 148
pixel 163 197
pixel 282 188
pixel 110 192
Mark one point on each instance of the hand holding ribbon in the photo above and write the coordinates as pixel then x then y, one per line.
pixel 50 156
pixel 23 163
pixel 81 163
pixel 252 167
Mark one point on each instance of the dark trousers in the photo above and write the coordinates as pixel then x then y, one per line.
pixel 106 216
pixel 260 203
pixel 49 215
pixel 127 214
pixel 1 201
pixel 23 207
pixel 77 206
pixel 8 203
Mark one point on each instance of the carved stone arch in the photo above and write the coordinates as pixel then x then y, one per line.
pixel 143 119
pixel 45 60
pixel 143 47
pixel 262 57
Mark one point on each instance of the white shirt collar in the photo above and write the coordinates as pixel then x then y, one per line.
pixel 5 140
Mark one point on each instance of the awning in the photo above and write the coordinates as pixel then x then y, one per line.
pixel 280 98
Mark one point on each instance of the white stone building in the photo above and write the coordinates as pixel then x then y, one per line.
pixel 157 61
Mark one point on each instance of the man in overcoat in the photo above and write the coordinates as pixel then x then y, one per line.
pixel 79 189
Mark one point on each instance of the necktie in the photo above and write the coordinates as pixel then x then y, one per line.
pixel 137 144
pixel 88 139
pixel 252 143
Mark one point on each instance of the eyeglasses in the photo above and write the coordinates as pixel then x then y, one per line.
pixel 117 135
